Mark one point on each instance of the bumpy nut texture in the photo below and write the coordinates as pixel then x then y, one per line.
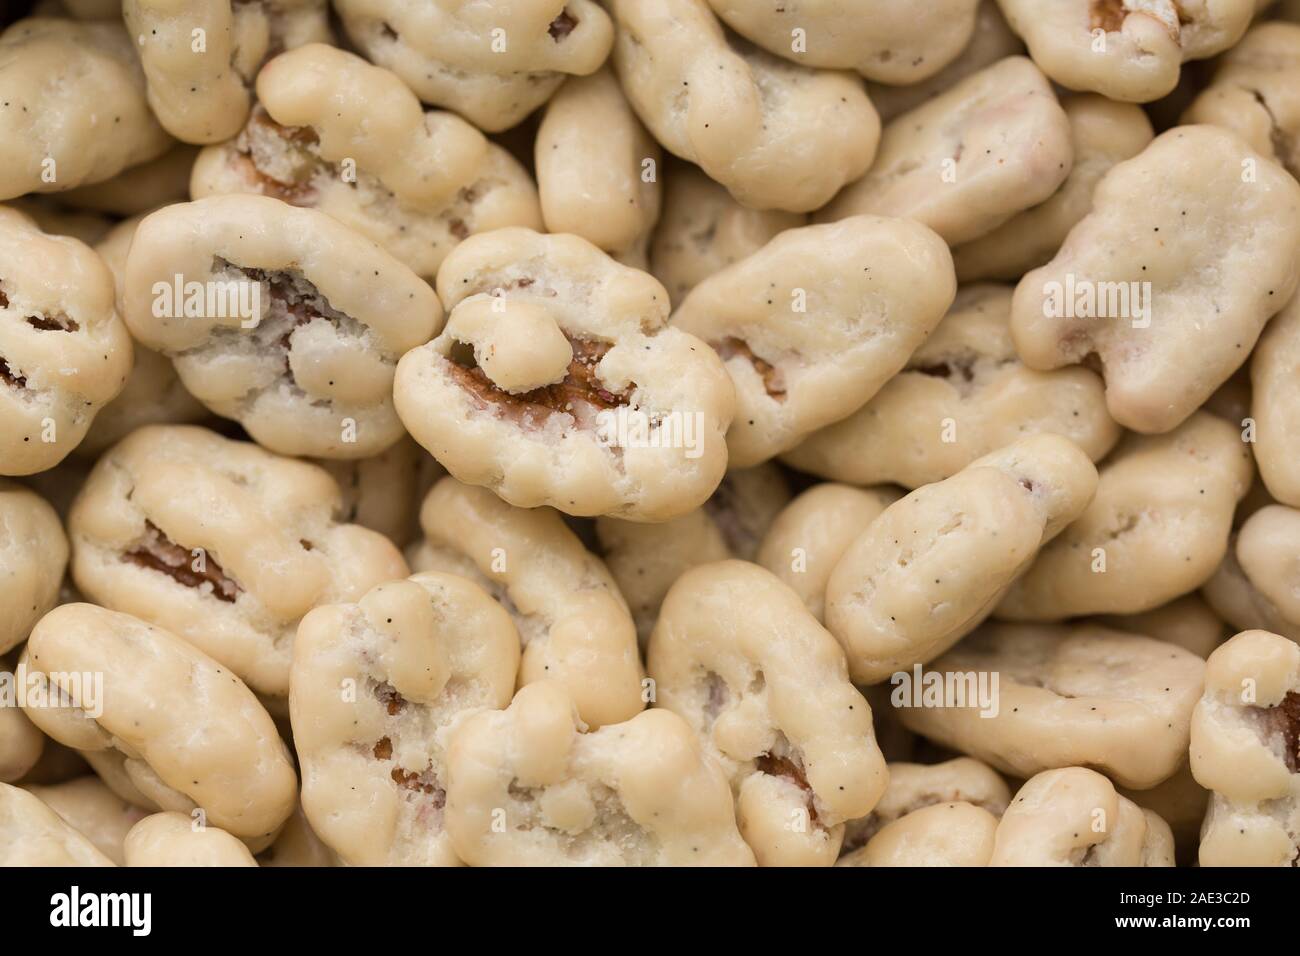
pixel 1104 133
pixel 736 654
pixel 597 168
pixel 1067 696
pixel 1074 817
pixel 336 134
pixel 153 394
pixel 1129 50
pixel 64 353
pixel 1268 553
pixel 559 382
pixel 1186 621
pixel 1189 249
pixel 300 321
pixel 991 40
pixel 383 493
pixel 970 159
pixel 807 539
pixel 141 188
pixel 1275 404
pixel 815 322
pixel 963 394
pixel 1234 596
pixel 1245 749
pixel 21 744
pixel 934 564
pixel 374 687
pixel 1254 93
pixel 575 626
pixel 529 787
pixel 914 786
pixel 778 136
pixel 33 557
pixel 892 41
pixel 492 66
pixel 200 93
pixel 645 559
pixel 94 811
pixel 31 834
pixel 63 81
pixel 1157 528
pixel 185 731
pixel 944 834
pixel 171 839
pixel 702 229
pixel 222 543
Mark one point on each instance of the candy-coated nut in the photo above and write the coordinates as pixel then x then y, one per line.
pixel 222 543
pixel 91 808
pixel 767 688
pixel 31 834
pixel 185 732
pixel 963 394
pixel 173 839
pixel 1064 696
pixel 1275 404
pixel 33 557
pixel 944 834
pixel 968 160
pixel 1189 248
pixel 633 427
pixel 934 564
pixel 815 322
pixel 1156 529
pixel 529 787
pixel 1186 621
pixel 777 135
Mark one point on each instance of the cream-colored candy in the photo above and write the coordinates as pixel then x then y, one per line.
pixel 807 539
pixel 991 40
pixel 64 353
pixel 645 559
pixel 140 188
pixel 1244 749
pixel 33 557
pixel 945 834
pixel 74 109
pixel 1275 404
pixel 703 230
pixel 52 216
pixel 1255 93
pixel 1268 551
pixel 970 159
pixel 31 834
pixel 374 688
pixel 1065 696
pixel 494 65
pixel 1234 596
pixel 172 839
pixel 21 744
pixel 383 493
pixel 297 845
pixel 597 168
pixel 93 810
pixel 893 41
pixel 736 654
pixel 1074 817
pixel 1181 802
pixel 1104 133
pixel 934 564
pixel 279 317
pixel 575 625
pixel 1189 248
pixel 633 426
pixel 222 543
pixel 200 56
pixel 528 787
pixel 1130 50
pixel 182 730
pixel 963 394
pixel 915 786
pixel 336 134
pixel 1157 528
pixel 815 322
pixel 1186 621
pixel 778 136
